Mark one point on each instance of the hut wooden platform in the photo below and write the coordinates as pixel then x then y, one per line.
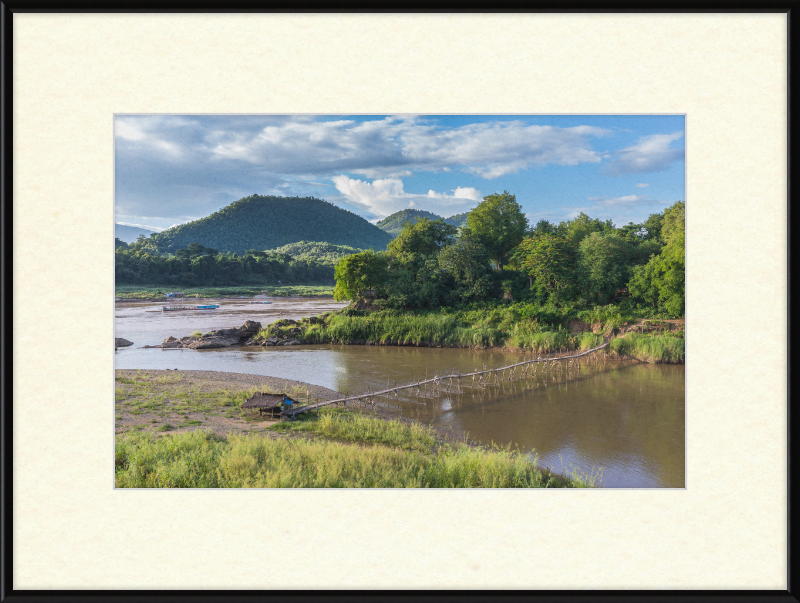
pixel 271 403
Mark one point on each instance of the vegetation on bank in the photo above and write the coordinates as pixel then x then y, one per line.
pixel 521 327
pixel 158 291
pixel 375 453
pixel 649 348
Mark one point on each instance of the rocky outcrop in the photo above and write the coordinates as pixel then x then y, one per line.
pixel 119 342
pixel 222 338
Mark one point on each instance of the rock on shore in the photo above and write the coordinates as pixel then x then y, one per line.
pixel 119 342
pixel 222 338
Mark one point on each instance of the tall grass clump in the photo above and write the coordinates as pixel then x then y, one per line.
pixel 587 341
pixel 352 427
pixel 199 460
pixel 660 348
pixel 609 316
pixel 527 336
pixel 403 329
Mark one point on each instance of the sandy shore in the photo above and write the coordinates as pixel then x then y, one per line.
pixel 149 400
pixel 162 401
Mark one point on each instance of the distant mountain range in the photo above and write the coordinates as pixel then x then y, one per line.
pixel 260 222
pixel 129 234
pixel 394 224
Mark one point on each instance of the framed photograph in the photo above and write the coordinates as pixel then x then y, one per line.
pixel 385 243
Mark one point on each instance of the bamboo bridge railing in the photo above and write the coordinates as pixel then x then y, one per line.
pixel 549 363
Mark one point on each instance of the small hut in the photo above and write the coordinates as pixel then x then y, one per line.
pixel 268 402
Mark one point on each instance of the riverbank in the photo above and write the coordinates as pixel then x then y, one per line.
pixel 642 340
pixel 187 429
pixel 157 292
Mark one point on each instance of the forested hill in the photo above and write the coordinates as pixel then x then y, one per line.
pixel 129 234
pixel 457 220
pixel 394 224
pixel 259 222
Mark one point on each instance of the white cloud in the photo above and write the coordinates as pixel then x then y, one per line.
pixel 384 197
pixel 649 154
pixel 394 146
pixel 642 185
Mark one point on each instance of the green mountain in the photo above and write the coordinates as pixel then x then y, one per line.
pixel 259 222
pixel 458 220
pixel 129 234
pixel 394 224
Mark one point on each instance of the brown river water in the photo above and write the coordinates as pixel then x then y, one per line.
pixel 626 418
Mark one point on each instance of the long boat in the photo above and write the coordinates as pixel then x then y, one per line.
pixel 260 302
pixel 176 308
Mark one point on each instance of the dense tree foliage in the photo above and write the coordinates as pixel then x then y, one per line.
pixel 606 262
pixel 359 274
pixel 468 264
pixel 324 253
pixel 499 224
pixel 432 264
pixel 199 266
pixel 549 262
pixel 582 226
pixel 259 222
pixel 662 281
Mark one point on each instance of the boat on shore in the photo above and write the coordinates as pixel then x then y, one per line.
pixel 177 308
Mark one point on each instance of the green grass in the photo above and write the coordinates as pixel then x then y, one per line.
pixel 441 328
pixel 651 348
pixel 150 393
pixel 158 291
pixel 199 460
pixel 356 427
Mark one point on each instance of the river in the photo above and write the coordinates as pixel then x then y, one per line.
pixel 627 418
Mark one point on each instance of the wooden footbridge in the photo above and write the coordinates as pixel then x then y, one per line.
pixel 443 383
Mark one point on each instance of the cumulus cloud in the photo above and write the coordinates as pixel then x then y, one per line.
pixel 649 154
pixel 194 165
pixel 383 197
pixel 642 185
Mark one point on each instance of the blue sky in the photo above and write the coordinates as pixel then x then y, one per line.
pixel 171 169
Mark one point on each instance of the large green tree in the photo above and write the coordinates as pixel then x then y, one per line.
pixel 604 265
pixel 419 240
pixel 548 260
pixel 467 263
pixel 582 226
pixel 359 273
pixel 662 281
pixel 499 225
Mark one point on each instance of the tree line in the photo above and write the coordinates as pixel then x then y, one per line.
pixel 581 262
pixel 197 265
